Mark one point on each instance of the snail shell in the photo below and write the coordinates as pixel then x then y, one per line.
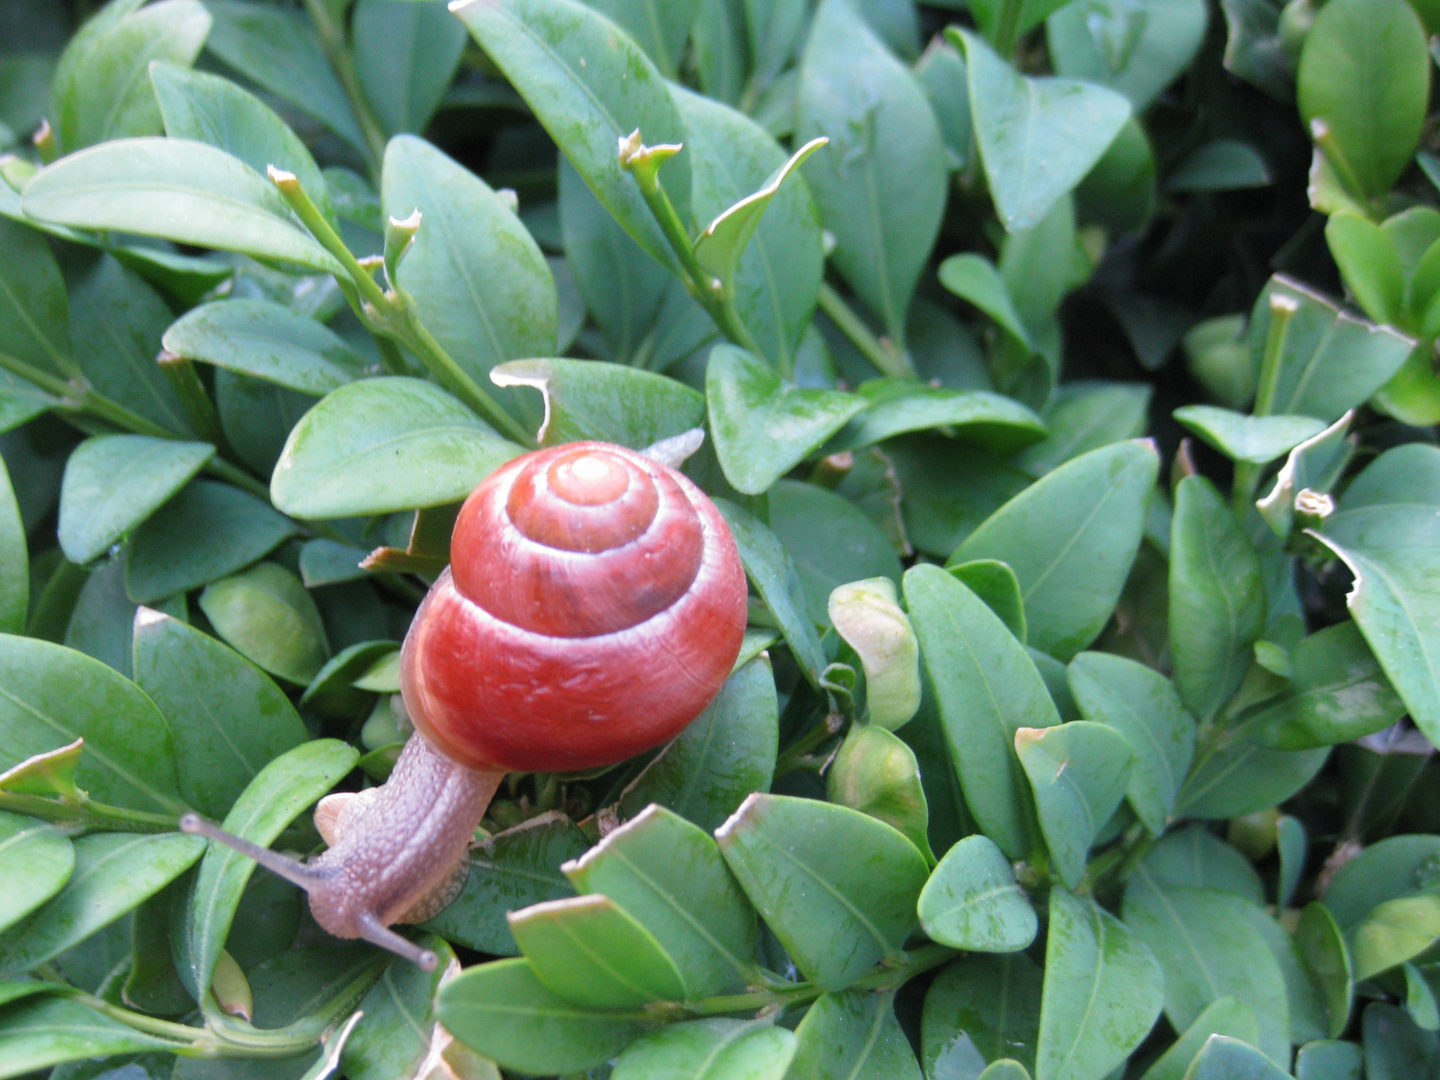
pixel 594 605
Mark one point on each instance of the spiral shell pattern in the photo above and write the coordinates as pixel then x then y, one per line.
pixel 594 605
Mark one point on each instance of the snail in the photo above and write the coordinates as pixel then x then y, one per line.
pixel 593 606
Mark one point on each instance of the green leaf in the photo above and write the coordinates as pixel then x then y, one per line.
pixel 396 1029
pixel 1005 1069
pixel 866 614
pixel 1142 705
pixel 227 718
pixel 278 50
pixel 381 445
pixel 113 873
pixel 36 860
pixel 1365 74
pixel 1223 1016
pixel 514 869
pixel 206 108
pixel 1031 14
pixel 271 801
pixel 896 406
pixel 831 541
pixel 206 532
pixel 1217 598
pixel 836 886
pixel 660 27
pixel 986 688
pixel 114 482
pixel 1386 530
pixel 709 1050
pixel 853 1034
pixel 772 571
pixel 502 1010
pixel 876 773
pixel 53 695
pixel 100 624
pixel 14 560
pixel 994 582
pixel 671 878
pixel 51 1031
pixel 941 74
pixel 268 341
pixel 1291 842
pixel 1209 949
pixel 586 399
pixel 1239 775
pixel 1330 361
pixel 1370 266
pixel 1078 772
pixel 727 752
pixel 1256 439
pixel 20 401
pixel 881 183
pixel 474 275
pixel 763 426
pixel 1224 1058
pixel 972 901
pixel 107 94
pixel 591 952
pixel 406 55
pixel 34 314
pixel 1038 137
pixel 776 274
pixel 975 278
pixel 267 615
pixel 1070 538
pixel 1337 693
pixel 1194 857
pixel 590 85
pixel 981 1008
pixel 1103 991
pixel 1394 932
pixel 1329 1060
pixel 1395 1046
pixel 1221 165
pixel 1394 867
pixel 1323 952
pixel 178 190
pixel 1137 49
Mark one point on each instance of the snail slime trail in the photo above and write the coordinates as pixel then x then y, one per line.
pixel 593 606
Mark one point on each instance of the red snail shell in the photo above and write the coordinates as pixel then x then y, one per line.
pixel 594 605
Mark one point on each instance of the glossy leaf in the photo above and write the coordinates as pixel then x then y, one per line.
pixel 590 85
pixel 709 1050
pixel 867 615
pixel 54 695
pixel 975 279
pixel 972 901
pixel 724 754
pixel 1103 992
pixel 1208 949
pixel 1385 531
pixel 512 870
pixel 897 406
pixel 994 582
pixel 384 444
pixel 268 341
pixel 267 615
pixel 1194 857
pixel 661 29
pixel 1038 137
pixel 853 1034
pixel 406 55
pixel 1257 439
pixel 36 859
pixel 881 183
pixel 1137 50
pixel 763 426
pixel 981 1008
pixel 1224 1016
pixel 1142 705
pixel 474 275
pixel 1225 1058
pixel 51 1031
pixel 876 773
pixel 1394 932
pixel 986 689
pixel 836 886
pixel 206 532
pixel 1071 538
pixel 114 482
pixel 669 875
pixel 1221 165
pixel 1217 598
pixel 14 560
pixel 178 190
pixel 1078 772
pixel 227 718
pixel 1365 74
pixel 396 1030
pixel 506 1013
pixel 1313 464
pixel 1326 957
pixel 34 314
pixel 278 794
pixel 113 873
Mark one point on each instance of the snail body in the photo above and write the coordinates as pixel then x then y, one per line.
pixel 594 605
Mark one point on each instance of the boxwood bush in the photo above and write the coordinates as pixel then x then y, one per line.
pixel 1066 370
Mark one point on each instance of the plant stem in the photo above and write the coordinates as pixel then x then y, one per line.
pixel 1247 475
pixel 794 755
pixel 199 410
pixel 887 360
pixel 87 814
pixel 332 39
